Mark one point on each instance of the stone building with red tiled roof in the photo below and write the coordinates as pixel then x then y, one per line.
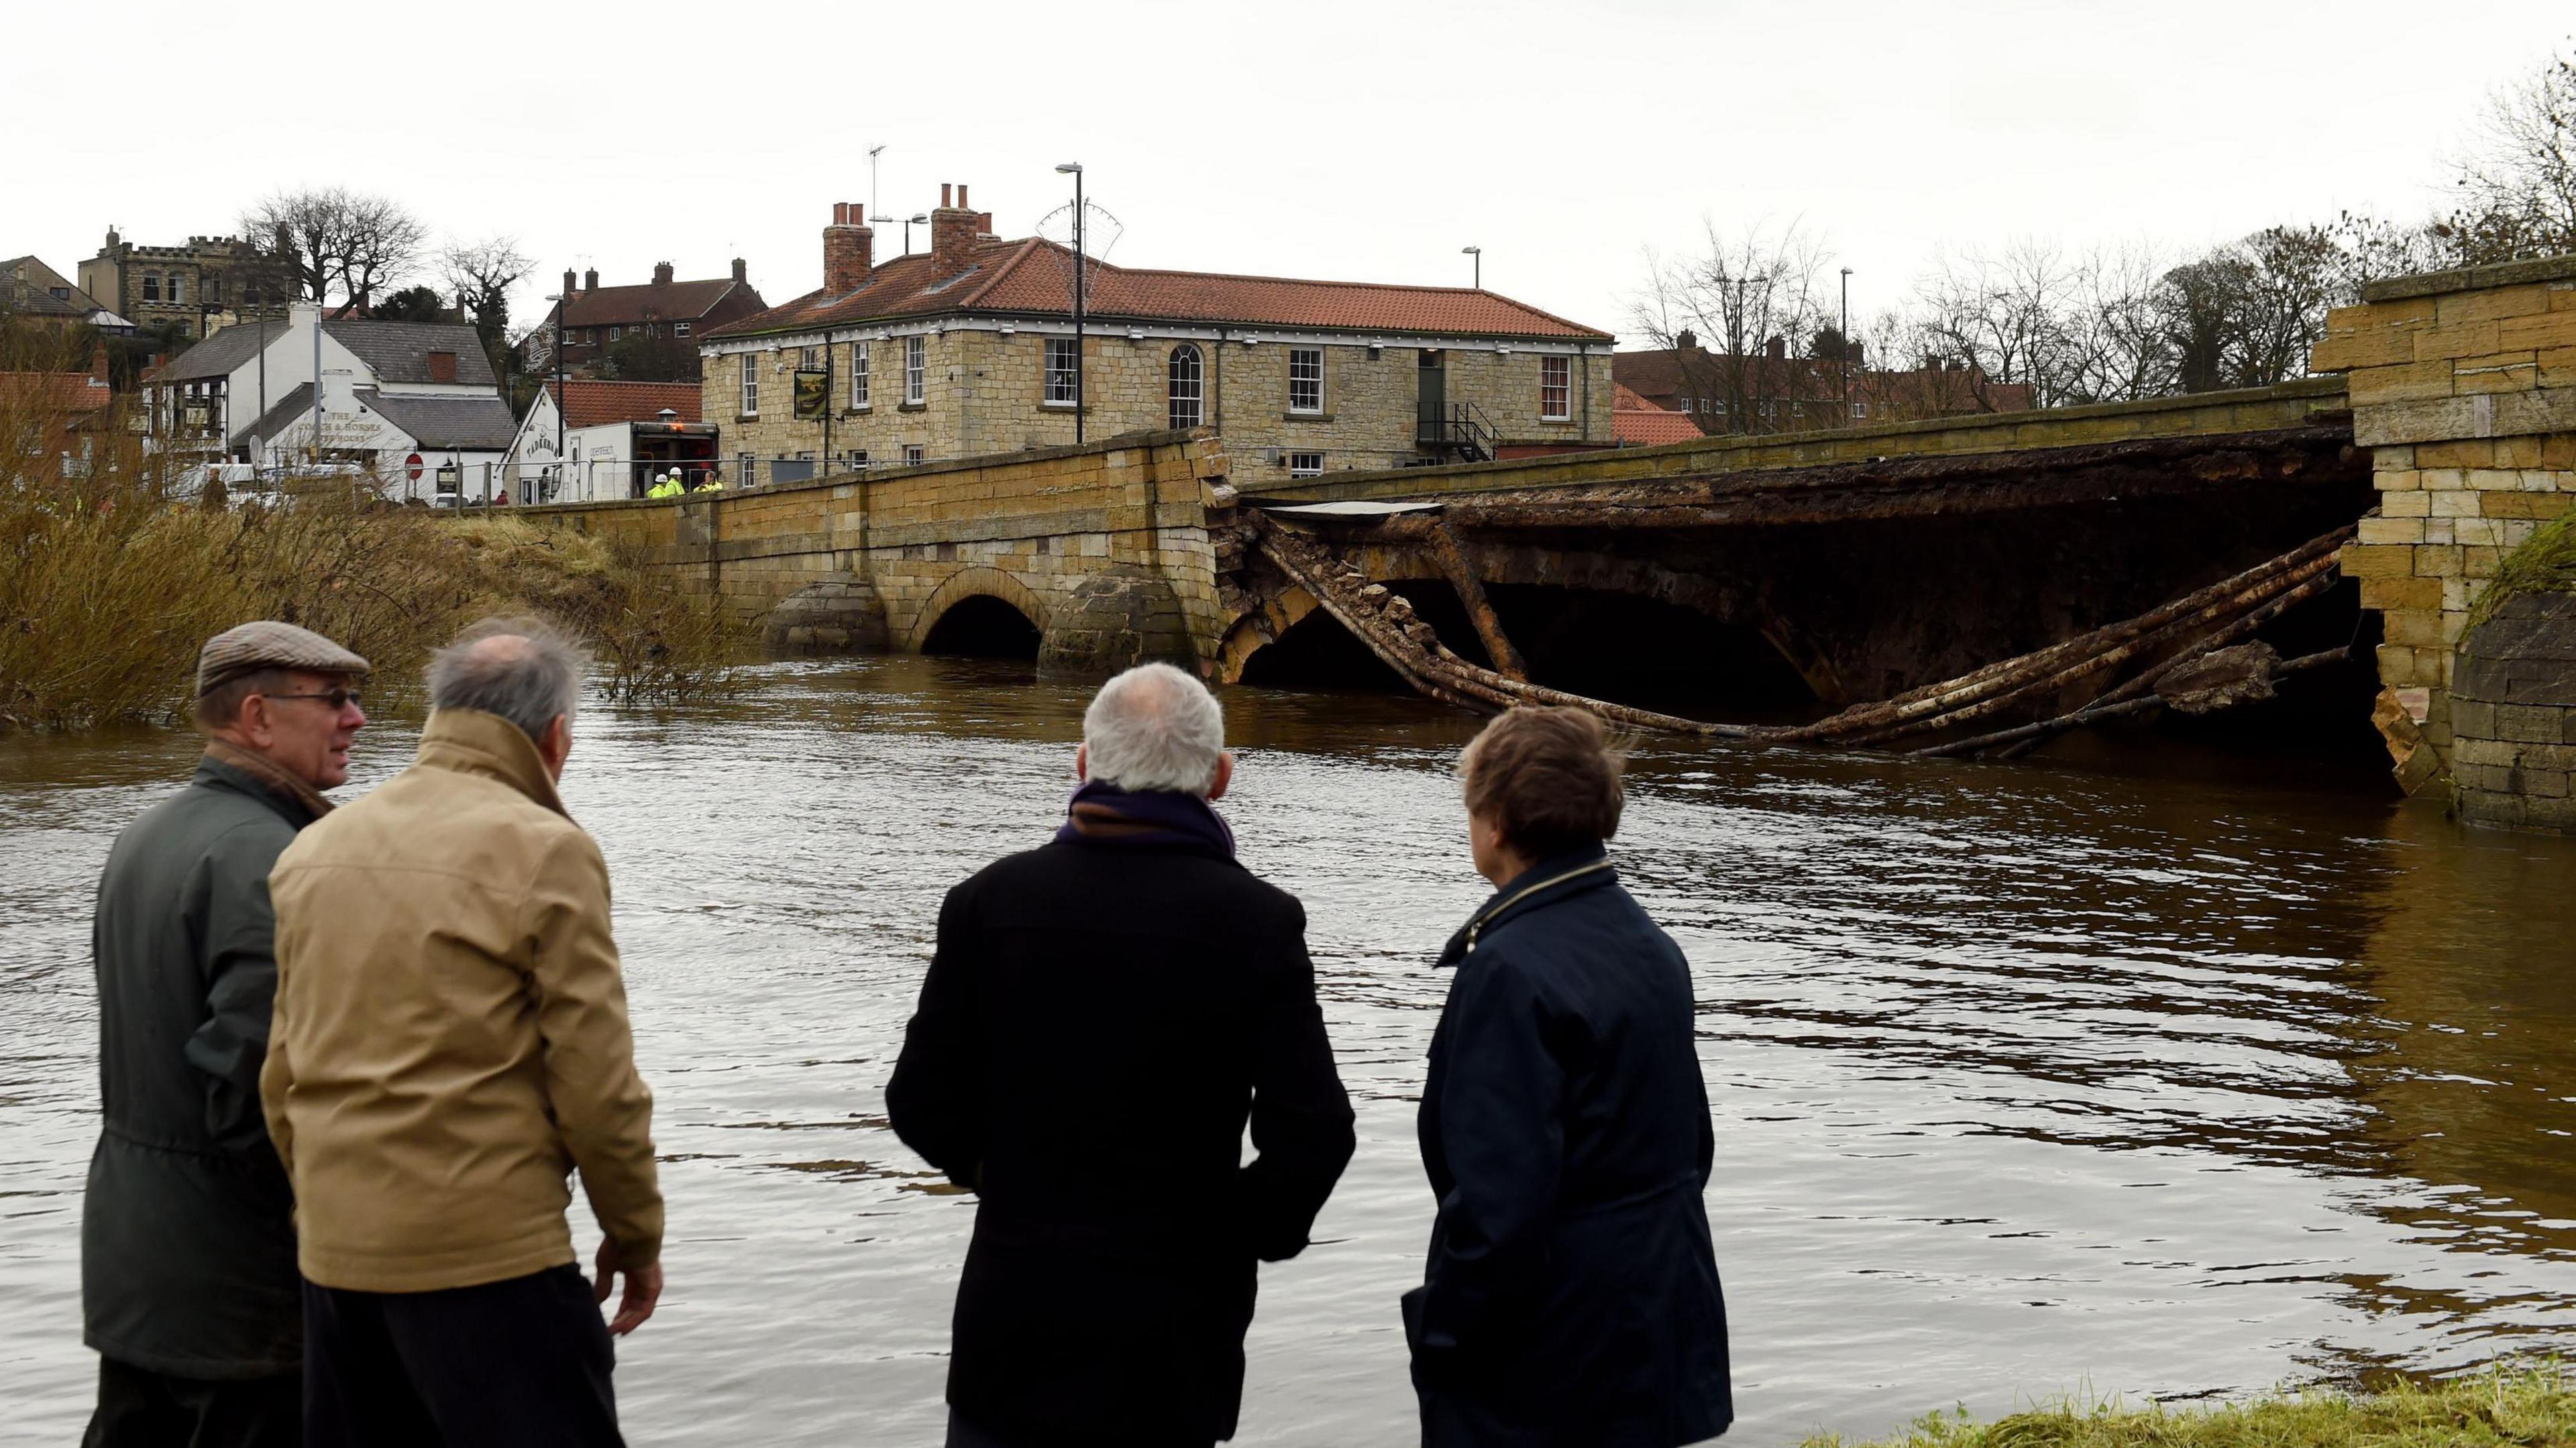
pixel 969 349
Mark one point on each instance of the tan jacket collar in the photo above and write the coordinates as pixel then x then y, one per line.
pixel 470 741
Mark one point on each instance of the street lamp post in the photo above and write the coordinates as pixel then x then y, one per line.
pixel 1074 169
pixel 561 301
pixel 1844 338
pixel 1478 253
pixel 917 219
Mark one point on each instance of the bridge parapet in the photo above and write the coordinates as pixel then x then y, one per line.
pixel 2463 386
pixel 1104 548
pixel 2292 406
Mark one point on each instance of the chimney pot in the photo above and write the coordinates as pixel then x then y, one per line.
pixel 569 279
pixel 590 280
pixel 952 233
pixel 849 249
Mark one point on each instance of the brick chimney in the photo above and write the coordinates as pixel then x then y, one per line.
pixel 741 273
pixel 1777 349
pixel 569 280
pixel 590 280
pixel 661 273
pixel 849 249
pixel 952 233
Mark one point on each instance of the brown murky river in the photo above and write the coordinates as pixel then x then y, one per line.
pixel 2027 1079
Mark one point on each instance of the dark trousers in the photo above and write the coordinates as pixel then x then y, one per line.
pixel 965 1432
pixel 142 1409
pixel 525 1361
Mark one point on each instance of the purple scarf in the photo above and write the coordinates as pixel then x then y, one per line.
pixel 1103 814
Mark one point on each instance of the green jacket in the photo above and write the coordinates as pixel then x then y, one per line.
pixel 187 1230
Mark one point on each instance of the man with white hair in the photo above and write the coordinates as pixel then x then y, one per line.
pixel 1102 1018
pixel 450 1044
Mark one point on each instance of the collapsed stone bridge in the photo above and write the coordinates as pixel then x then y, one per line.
pixel 1729 578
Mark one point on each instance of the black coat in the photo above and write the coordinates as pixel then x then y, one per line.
pixel 187 1231
pixel 1098 1024
pixel 1572 1296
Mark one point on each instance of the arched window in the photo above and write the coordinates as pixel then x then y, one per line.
pixel 1185 391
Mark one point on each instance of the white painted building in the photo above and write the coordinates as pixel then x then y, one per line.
pixel 400 400
pixel 616 437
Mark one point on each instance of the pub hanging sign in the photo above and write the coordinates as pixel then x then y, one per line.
pixel 813 393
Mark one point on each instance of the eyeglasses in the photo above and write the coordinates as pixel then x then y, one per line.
pixel 338 699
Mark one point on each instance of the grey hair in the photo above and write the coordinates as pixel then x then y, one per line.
pixel 526 671
pixel 1154 727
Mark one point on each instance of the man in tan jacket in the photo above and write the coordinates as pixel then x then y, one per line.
pixel 450 1043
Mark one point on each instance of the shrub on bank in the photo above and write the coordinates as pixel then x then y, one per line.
pixel 108 587
pixel 2529 1405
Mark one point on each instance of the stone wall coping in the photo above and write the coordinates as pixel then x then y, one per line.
pixel 2325 393
pixel 1124 442
pixel 2472 278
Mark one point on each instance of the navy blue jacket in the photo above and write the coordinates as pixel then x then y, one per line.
pixel 1572 1294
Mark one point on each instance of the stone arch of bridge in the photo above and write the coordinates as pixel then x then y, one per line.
pixel 974 582
pixel 1278 612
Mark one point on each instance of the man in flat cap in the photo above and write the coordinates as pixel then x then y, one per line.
pixel 188 1284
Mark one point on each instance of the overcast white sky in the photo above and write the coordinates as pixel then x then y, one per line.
pixel 1361 141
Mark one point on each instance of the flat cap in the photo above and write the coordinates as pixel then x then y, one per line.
pixel 268 644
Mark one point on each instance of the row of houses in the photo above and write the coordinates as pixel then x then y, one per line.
pixel 974 346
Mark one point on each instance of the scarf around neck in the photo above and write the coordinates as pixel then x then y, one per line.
pixel 271 776
pixel 1101 813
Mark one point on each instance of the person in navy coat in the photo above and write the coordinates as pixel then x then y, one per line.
pixel 1571 1296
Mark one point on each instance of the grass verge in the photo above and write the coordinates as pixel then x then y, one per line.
pixel 2528 1405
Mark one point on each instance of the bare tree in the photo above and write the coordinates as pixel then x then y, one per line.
pixel 2517 184
pixel 1731 314
pixel 481 274
pixel 338 240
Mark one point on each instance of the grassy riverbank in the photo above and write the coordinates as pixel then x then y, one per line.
pixel 107 589
pixel 2527 1406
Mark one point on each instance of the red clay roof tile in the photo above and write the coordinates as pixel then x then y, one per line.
pixel 1034 276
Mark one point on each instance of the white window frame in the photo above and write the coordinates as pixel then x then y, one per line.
pixel 152 286
pixel 679 329
pixel 1563 386
pixel 751 384
pixel 914 452
pixel 808 359
pixel 171 292
pixel 1305 465
pixel 1195 393
pixel 916 369
pixel 859 375
pixel 1316 407
pixel 1060 381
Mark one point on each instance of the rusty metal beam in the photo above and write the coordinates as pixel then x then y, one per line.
pixel 1440 546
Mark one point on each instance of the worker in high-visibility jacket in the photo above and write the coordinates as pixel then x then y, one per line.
pixel 668 487
pixel 713 484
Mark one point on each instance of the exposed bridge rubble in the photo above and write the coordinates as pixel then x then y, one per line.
pixel 2193 654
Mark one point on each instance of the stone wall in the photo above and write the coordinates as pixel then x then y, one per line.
pixel 2513 716
pixel 985 393
pixel 1105 548
pixel 2463 386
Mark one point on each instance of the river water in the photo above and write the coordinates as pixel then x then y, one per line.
pixel 2027 1079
